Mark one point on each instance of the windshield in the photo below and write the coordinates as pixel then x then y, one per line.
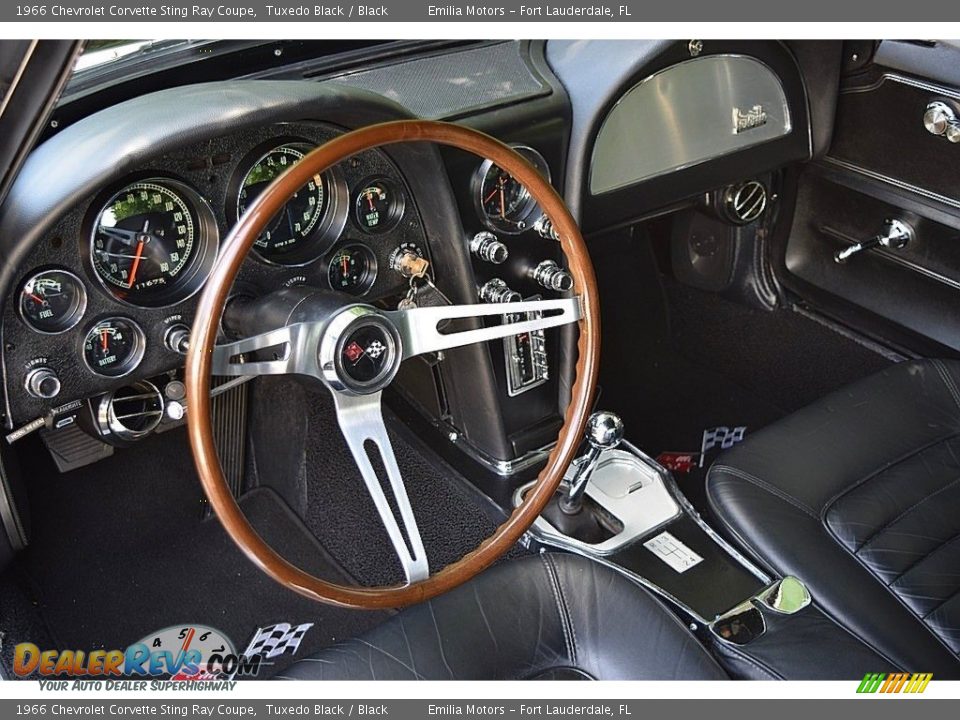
pixel 97 53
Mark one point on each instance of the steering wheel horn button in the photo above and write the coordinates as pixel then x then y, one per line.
pixel 360 351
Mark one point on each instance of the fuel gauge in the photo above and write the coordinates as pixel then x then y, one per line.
pixel 114 347
pixel 52 301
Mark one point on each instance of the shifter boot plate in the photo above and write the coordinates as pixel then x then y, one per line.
pixel 673 552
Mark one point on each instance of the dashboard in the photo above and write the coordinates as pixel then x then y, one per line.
pixel 111 292
pixel 116 219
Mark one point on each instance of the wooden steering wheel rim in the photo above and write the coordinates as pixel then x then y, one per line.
pixel 211 306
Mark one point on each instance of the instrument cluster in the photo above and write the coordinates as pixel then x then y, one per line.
pixel 124 269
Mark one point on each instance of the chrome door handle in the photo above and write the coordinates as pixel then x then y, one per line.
pixel 895 235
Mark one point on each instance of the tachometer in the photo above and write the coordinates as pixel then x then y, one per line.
pixel 150 242
pixel 52 301
pixel 503 204
pixel 114 347
pixel 287 236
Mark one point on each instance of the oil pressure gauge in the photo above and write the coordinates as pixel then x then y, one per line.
pixel 352 269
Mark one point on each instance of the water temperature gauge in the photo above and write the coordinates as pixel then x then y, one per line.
pixel 378 205
pixel 114 347
pixel 52 301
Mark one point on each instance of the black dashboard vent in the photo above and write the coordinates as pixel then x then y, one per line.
pixel 453 83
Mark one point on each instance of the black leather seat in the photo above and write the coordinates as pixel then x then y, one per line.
pixel 859 496
pixel 545 617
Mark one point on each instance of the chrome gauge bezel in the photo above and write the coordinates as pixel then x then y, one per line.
pixel 207 241
pixel 334 218
pixel 372 268
pixel 128 365
pixel 527 214
pixel 76 315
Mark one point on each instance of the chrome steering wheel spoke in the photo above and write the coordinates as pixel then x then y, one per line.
pixel 361 421
pixel 421 331
pixel 287 350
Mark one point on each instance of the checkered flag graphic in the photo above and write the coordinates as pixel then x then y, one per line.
pixel 275 640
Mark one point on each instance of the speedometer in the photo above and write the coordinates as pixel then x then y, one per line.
pixel 151 241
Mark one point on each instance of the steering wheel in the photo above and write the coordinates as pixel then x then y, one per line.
pixel 319 339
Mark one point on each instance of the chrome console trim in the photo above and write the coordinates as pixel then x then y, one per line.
pixel 556 540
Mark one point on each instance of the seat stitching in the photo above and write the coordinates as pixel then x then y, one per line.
pixel 948 380
pixel 940 605
pixel 872 475
pixel 561 608
pixel 938 548
pixel 906 512
pixel 896 598
pixel 573 627
pixel 764 485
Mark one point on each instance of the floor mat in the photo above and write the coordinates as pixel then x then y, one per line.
pixel 119 551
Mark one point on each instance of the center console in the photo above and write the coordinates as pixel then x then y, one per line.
pixel 621 508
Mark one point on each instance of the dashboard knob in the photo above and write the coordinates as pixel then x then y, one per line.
pixel 178 339
pixel 42 383
pixel 938 117
pixel 497 291
pixel 487 247
pixel 552 276
pixel 952 132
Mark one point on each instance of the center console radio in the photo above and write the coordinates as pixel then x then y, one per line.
pixel 621 508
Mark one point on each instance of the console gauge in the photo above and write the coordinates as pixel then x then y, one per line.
pixel 52 301
pixel 114 347
pixel 150 243
pixel 352 269
pixel 503 204
pixel 377 205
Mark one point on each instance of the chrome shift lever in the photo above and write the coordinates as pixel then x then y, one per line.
pixel 604 432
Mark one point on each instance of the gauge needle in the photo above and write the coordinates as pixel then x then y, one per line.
pixel 136 264
pixel 370 200
pixel 103 340
pixel 503 203
pixel 345 264
pixel 36 298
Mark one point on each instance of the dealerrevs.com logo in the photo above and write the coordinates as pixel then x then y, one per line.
pixel 895 683
pixel 185 652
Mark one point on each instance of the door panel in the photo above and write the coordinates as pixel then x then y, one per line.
pixel 884 164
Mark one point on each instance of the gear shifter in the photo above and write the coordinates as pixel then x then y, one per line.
pixel 604 432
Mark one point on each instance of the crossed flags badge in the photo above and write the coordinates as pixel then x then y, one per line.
pixel 274 640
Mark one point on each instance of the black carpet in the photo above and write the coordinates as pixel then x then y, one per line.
pixel 119 551
pixel 677 360
pixel 452 516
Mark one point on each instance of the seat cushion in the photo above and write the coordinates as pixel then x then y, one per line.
pixel 539 617
pixel 859 496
